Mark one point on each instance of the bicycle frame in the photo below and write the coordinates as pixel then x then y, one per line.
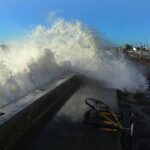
pixel 109 121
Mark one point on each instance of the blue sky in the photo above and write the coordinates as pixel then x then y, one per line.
pixel 121 21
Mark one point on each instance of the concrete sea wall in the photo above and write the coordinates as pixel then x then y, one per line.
pixel 17 117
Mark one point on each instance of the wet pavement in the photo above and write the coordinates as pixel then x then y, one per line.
pixel 66 129
pixel 139 105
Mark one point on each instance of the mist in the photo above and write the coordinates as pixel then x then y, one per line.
pixel 65 46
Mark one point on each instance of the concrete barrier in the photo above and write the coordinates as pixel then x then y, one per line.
pixel 17 117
